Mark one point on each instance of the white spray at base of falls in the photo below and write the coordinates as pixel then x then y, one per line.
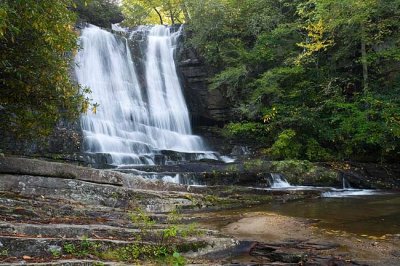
pixel 132 127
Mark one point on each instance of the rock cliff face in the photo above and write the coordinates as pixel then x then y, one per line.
pixel 206 107
pixel 64 143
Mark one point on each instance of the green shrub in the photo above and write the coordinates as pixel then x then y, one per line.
pixel 246 132
pixel 315 152
pixel 286 146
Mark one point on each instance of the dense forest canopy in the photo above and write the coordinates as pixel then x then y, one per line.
pixel 307 79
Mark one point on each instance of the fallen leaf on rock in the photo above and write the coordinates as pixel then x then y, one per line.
pixel 26 257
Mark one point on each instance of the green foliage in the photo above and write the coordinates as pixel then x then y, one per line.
pixel 102 13
pixel 246 131
pixel 177 259
pixel 55 252
pixel 3 252
pixel 314 152
pixel 231 78
pixel 141 218
pixel 268 87
pixel 297 167
pixel 139 12
pixel 170 232
pixel 164 245
pixel 286 146
pixel 192 228
pixel 368 126
pixel 322 75
pixel 83 249
pixel 135 252
pixel 37 41
pixel 69 248
pixel 303 172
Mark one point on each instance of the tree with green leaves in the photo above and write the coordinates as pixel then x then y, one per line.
pixel 37 43
pixel 139 12
pixel 318 75
pixel 101 13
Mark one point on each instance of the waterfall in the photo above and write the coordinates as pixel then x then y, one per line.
pixel 345 183
pixel 169 115
pixel 133 125
pixel 279 181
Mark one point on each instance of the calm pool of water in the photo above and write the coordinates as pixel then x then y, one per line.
pixel 374 215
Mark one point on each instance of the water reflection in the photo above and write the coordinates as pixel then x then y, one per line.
pixel 373 215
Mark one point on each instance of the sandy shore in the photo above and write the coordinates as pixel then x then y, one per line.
pixel 275 229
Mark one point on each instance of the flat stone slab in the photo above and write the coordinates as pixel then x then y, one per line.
pixel 96 231
pixel 34 167
pixel 92 193
pixel 63 263
pixel 45 247
pixel 24 166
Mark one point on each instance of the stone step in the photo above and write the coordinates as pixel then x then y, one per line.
pixel 15 166
pixel 71 262
pixel 47 247
pixel 158 157
pixel 17 209
pixel 25 166
pixel 95 231
pixel 187 167
pixel 13 248
pixel 87 193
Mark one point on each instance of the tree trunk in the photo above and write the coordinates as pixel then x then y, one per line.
pixel 172 16
pixel 364 61
pixel 159 15
pixel 185 12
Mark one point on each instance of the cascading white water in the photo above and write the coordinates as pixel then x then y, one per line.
pixel 278 181
pixel 169 115
pixel 346 184
pixel 130 126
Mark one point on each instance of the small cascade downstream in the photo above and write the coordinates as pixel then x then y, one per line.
pixel 278 181
pixel 346 184
pixel 135 124
pixel 348 191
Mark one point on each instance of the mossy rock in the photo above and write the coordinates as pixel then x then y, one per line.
pixel 306 173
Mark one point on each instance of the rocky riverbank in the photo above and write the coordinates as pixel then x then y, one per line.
pixel 54 213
